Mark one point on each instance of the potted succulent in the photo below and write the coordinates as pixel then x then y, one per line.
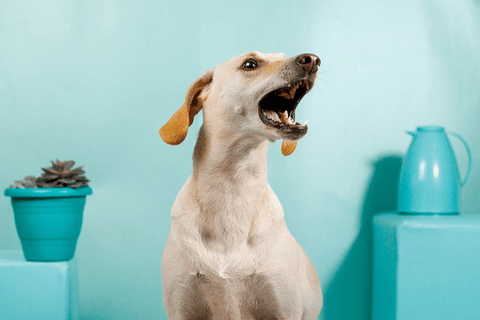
pixel 49 211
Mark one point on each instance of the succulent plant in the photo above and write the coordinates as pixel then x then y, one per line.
pixel 59 175
pixel 27 182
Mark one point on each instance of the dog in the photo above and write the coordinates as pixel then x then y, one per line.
pixel 229 254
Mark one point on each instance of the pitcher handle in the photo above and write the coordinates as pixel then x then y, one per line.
pixel 469 171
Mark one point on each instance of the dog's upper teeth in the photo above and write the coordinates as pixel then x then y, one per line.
pixel 293 91
pixel 289 91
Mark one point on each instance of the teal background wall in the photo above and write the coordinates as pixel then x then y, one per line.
pixel 93 81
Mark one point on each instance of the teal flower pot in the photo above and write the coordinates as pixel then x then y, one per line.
pixel 48 221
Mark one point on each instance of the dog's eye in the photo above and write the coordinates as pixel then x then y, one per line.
pixel 250 64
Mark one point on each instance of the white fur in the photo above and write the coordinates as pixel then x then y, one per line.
pixel 228 239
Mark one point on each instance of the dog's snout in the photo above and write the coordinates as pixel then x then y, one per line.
pixel 308 61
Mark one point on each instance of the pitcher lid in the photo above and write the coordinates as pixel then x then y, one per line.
pixel 431 129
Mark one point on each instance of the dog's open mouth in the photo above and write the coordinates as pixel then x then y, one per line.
pixel 277 108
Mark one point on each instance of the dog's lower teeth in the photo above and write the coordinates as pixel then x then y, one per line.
pixel 281 118
pixel 285 118
pixel 275 117
pixel 271 115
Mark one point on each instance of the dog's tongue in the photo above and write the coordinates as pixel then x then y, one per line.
pixel 288 147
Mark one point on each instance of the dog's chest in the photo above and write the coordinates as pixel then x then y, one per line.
pixel 228 242
pixel 228 221
pixel 253 297
pixel 239 284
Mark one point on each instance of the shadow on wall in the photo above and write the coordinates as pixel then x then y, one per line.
pixel 349 294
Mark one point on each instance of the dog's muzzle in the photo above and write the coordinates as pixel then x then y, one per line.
pixel 277 108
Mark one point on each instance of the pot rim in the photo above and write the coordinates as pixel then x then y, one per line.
pixel 48 192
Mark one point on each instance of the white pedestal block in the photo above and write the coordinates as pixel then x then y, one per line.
pixel 37 290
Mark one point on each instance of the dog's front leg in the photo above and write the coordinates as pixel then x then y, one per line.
pixel 183 296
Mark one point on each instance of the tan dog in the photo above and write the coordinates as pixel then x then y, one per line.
pixel 229 253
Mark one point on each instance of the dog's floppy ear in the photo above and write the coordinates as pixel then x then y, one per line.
pixel 288 147
pixel 175 130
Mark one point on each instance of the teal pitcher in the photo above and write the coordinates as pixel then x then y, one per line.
pixel 429 178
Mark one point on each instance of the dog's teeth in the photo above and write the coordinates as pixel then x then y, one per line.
pixel 270 114
pixel 275 117
pixel 285 94
pixel 290 121
pixel 288 92
pixel 293 91
pixel 304 124
pixel 285 118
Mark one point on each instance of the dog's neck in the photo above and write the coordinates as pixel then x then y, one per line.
pixel 236 161
pixel 230 179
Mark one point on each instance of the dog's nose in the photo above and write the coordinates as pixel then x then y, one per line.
pixel 309 62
